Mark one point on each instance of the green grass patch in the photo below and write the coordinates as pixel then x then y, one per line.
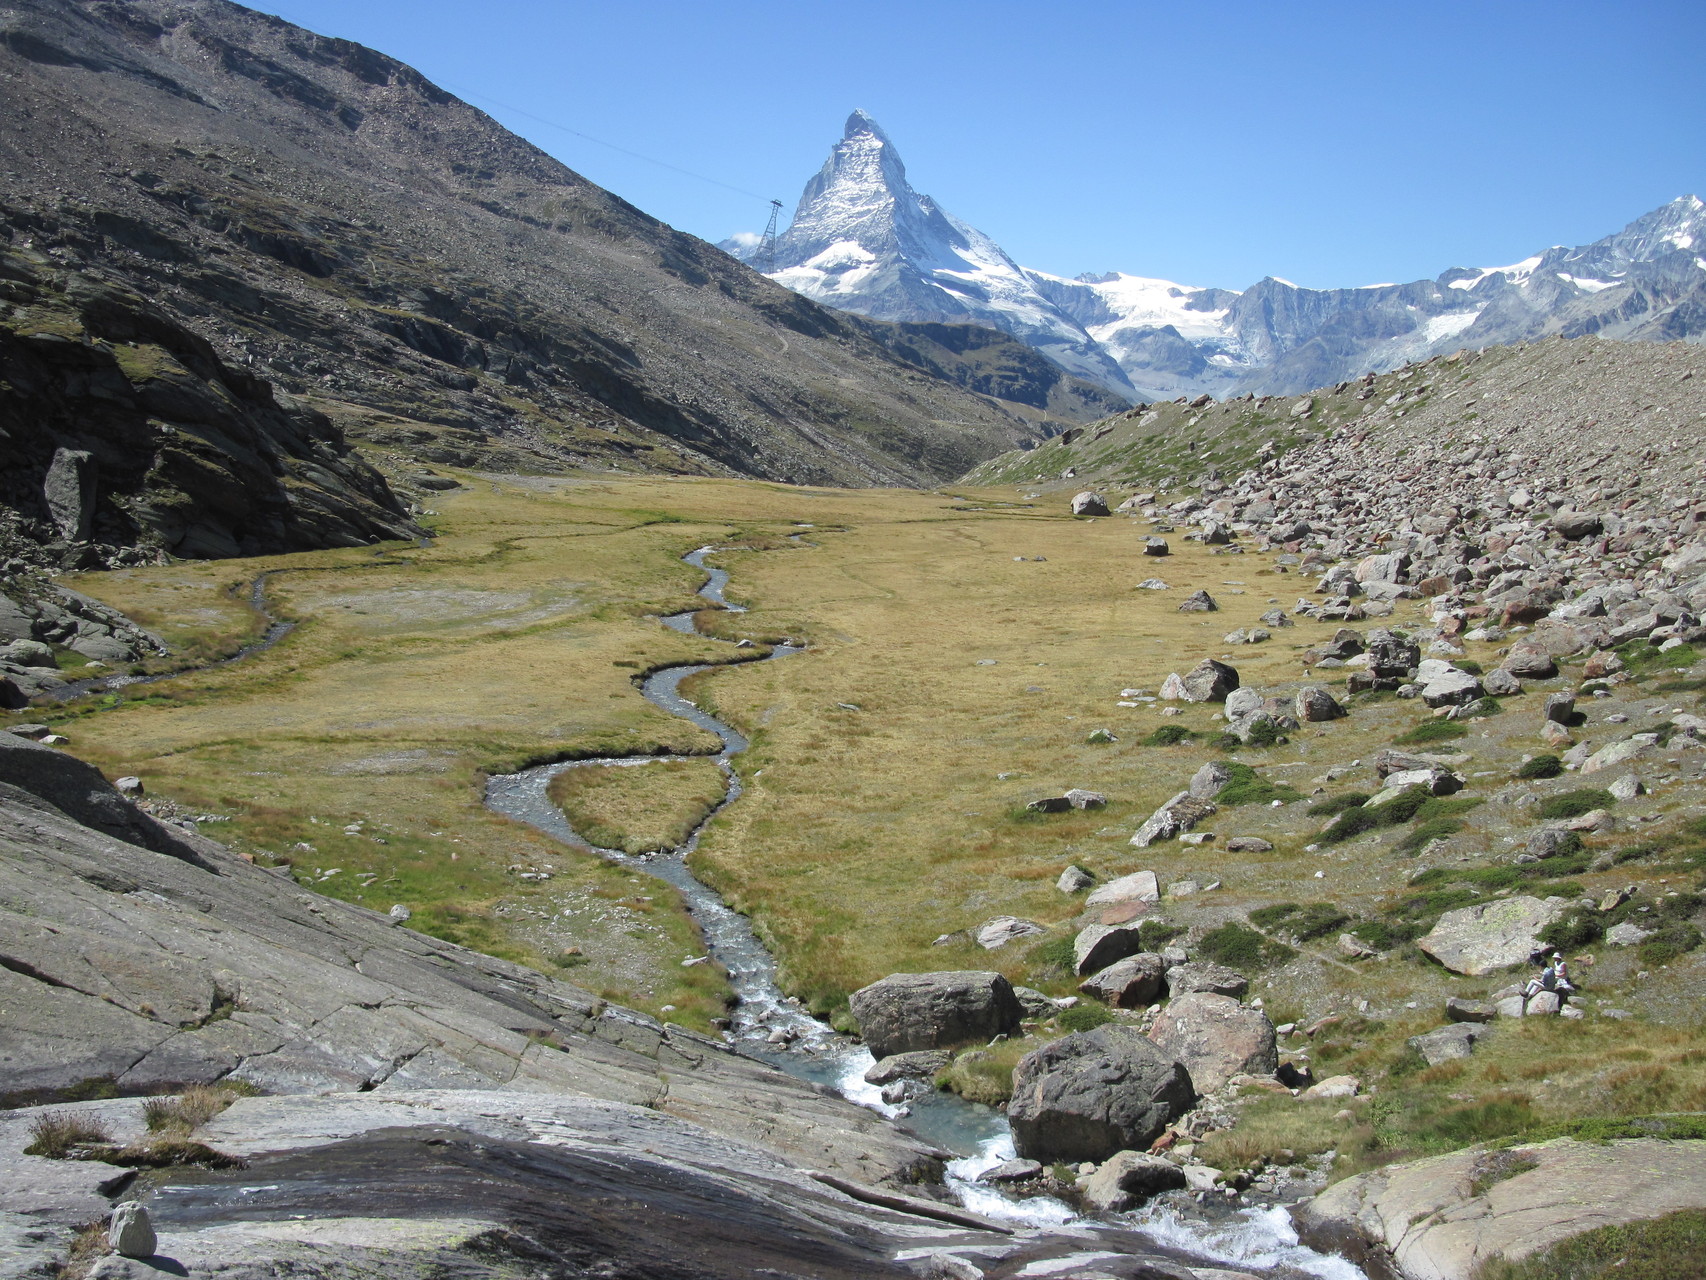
pixel 1240 947
pixel 1541 767
pixel 1431 731
pixel 1338 804
pixel 1086 1016
pixel 1169 735
pixel 1425 833
pixel 1667 1248
pixel 1305 923
pixel 1573 804
pixel 1246 786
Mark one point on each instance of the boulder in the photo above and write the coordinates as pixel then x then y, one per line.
pixel 907 1066
pixel 1074 880
pixel 1335 1087
pixel 1249 844
pixel 1207 781
pixel 1490 935
pixel 1460 1009
pixel 1529 660
pixel 1600 664
pixel 1011 1171
pixel 998 932
pixel 131 1234
pixel 1079 798
pixel 1576 525
pixel 1444 685
pixel 1632 748
pixel 1390 655
pixel 1091 1094
pixel 1431 778
pixel 1205 976
pixel 1128 1178
pixel 1216 1038
pixel 1551 842
pixel 1131 983
pixel 1315 704
pixel 1446 1217
pixel 1627 934
pixel 1210 681
pixel 906 1012
pixel 1100 945
pixel 1181 813
pixel 1036 1005
pixel 1139 886
pixel 1199 602
pixel 1456 1040
pixel 1559 708
pixel 1089 503
pixel 1242 702
pixel 1155 547
pixel 30 653
pixel 1500 683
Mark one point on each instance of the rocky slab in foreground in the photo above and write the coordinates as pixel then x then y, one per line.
pixel 149 956
pixel 1423 1220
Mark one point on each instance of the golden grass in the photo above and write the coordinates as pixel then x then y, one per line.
pixel 639 808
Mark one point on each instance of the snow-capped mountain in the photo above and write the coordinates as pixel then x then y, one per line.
pixel 863 240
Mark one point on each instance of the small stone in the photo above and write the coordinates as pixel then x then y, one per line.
pixel 1628 787
pixel 131 1234
pixel 130 787
pixel 1248 844
pixel 400 913
pixel 1074 880
pixel 1199 602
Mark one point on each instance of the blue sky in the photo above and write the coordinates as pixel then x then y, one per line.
pixel 1332 144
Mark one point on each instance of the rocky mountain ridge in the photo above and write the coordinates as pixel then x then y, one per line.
pixel 862 239
pixel 345 247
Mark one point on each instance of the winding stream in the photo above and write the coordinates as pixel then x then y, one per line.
pixel 771 1026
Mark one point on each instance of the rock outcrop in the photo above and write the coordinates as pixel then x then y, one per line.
pixel 1093 1093
pixel 1215 1038
pixel 1490 935
pixel 1438 1219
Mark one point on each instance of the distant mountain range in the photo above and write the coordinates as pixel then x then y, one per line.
pixel 863 240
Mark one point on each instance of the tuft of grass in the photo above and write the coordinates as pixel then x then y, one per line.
pixel 1431 731
pixel 1667 1248
pixel 59 1134
pixel 1339 804
pixel 1500 1166
pixel 1269 1126
pixel 1425 833
pixel 1246 786
pixel 189 1110
pixel 1304 923
pixel 1544 766
pixel 1573 804
pixel 1084 1017
pixel 638 808
pixel 1240 947
pixel 986 1075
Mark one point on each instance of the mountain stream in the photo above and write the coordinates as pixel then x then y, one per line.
pixel 773 1027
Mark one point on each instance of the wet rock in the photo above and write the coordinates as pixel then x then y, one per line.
pixel 996 933
pixel 1199 602
pixel 1490 935
pixel 1093 1093
pixel 1089 503
pixel 1215 1038
pixel 1132 983
pixel 906 1012
pixel 1011 1171
pixel 922 1065
pixel 1128 1179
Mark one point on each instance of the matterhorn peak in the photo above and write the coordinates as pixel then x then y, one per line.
pixel 861 122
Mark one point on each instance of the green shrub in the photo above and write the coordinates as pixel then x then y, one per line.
pixel 1669 943
pixel 1645 849
pixel 1269 916
pixel 1246 786
pixel 1168 735
pixel 1227 742
pixel 1470 665
pixel 1541 767
pixel 1573 804
pixel 1577 928
pixel 1350 823
pixel 1338 804
pixel 1317 920
pixel 1239 947
pixel 1425 833
pixel 1431 731
pixel 1482 708
pixel 1264 733
pixel 1383 936
pixel 1084 1016
pixel 1152 935
pixel 1052 954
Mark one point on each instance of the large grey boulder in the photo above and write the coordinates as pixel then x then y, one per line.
pixel 1094 1093
pixel 69 491
pixel 1089 503
pixel 1442 1044
pixel 1391 656
pixel 906 1012
pixel 1099 945
pixel 1444 1217
pixel 1444 685
pixel 1531 661
pixel 1207 781
pixel 1216 1038
pixel 1490 935
pixel 1139 886
pixel 996 933
pixel 1315 704
pixel 1179 814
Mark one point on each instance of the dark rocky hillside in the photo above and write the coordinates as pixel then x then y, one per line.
pixel 323 219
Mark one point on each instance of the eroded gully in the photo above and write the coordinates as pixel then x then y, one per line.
pixel 769 1025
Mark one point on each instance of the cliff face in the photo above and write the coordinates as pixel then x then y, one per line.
pixel 330 222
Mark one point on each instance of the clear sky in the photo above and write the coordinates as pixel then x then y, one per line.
pixel 1330 143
